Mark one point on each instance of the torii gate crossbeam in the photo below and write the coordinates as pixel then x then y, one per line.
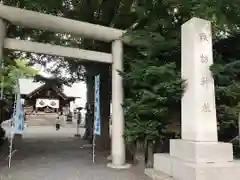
pixel 36 20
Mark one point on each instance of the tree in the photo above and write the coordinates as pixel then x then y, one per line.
pixel 156 96
pixel 226 72
pixel 157 34
pixel 8 77
pixel 11 73
pixel 153 90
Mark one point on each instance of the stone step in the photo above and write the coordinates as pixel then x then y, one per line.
pixel 162 162
pixel 183 170
pixel 201 152
pixel 157 175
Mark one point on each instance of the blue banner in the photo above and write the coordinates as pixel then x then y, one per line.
pixel 97 118
pixel 18 113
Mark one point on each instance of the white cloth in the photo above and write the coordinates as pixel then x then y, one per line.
pixel 53 103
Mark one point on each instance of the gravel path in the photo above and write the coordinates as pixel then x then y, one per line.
pixel 59 156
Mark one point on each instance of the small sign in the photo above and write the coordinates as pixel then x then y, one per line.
pixel 97 119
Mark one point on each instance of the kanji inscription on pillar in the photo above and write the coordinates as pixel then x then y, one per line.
pixel 204 59
pixel 205 81
pixel 204 37
pixel 206 107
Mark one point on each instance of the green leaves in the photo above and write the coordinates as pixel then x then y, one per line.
pixel 24 68
pixel 226 73
pixel 13 72
pixel 153 96
pixel 153 86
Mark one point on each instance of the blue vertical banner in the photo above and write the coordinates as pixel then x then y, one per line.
pixel 97 118
pixel 18 114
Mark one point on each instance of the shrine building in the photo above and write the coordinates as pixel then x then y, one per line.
pixel 48 97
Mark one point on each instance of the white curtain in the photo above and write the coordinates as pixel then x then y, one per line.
pixel 41 103
pixel 53 103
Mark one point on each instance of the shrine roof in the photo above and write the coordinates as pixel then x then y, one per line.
pixel 27 86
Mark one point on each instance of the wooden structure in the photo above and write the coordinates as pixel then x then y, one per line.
pixel 47 91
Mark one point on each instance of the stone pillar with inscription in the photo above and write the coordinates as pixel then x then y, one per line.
pixel 198 155
pixel 199 122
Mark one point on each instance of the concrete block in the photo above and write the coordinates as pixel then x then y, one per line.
pixel 201 152
pixel 183 170
pixel 162 162
pixel 157 175
pixel 205 171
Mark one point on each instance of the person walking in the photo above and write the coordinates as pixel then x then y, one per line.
pixel 58 123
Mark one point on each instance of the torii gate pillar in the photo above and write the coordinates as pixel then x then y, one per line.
pixel 118 144
pixel 2 36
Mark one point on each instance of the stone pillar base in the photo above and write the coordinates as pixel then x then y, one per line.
pixel 113 166
pixel 183 170
pixel 201 152
pixel 190 160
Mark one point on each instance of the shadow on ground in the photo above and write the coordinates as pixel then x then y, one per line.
pixel 61 159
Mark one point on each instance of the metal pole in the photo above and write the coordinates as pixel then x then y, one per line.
pixel 78 123
pixel 10 150
pixel 77 117
pixel 94 135
pixel 93 146
pixel 12 131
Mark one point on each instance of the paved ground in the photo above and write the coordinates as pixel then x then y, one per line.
pixel 49 155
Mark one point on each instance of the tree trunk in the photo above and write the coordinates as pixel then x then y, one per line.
pixel 103 141
pixel 131 150
pixel 2 136
pixel 89 119
pixel 149 151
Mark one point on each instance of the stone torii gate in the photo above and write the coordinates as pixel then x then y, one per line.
pixel 57 24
